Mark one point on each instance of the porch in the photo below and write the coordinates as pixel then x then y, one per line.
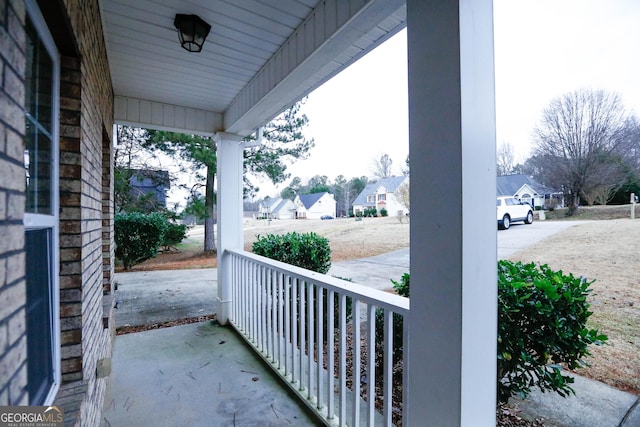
pixel 286 318
pixel 304 324
pixel 200 374
pixel 205 374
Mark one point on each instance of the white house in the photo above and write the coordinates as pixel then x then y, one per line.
pixel 526 189
pixel 277 208
pixel 314 206
pixel 381 195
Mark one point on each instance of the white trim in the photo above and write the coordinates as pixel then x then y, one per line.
pixel 35 221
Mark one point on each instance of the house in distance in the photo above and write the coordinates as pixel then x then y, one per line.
pixel 527 190
pixel 315 205
pixel 276 208
pixel 381 194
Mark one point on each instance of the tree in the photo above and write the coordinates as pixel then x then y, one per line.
pixel 381 167
pixel 200 153
pixel 340 191
pixel 406 169
pixel 290 191
pixel 505 159
pixel 356 186
pixel 318 184
pixel 132 160
pixel 402 195
pixel 576 138
pixel 282 141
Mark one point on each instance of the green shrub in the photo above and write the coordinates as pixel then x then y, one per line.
pixel 542 317
pixel 174 234
pixel 384 212
pixel 306 250
pixel 402 287
pixel 138 236
pixel 371 212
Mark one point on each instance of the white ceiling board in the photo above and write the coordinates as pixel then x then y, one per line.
pixel 246 48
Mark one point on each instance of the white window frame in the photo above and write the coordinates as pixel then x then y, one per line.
pixel 51 222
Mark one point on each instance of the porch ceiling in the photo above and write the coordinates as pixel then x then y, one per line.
pixel 260 56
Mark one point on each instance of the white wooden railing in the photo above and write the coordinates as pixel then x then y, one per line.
pixel 284 313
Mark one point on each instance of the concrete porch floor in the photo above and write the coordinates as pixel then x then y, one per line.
pixel 201 374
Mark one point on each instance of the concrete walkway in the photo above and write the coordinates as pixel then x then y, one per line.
pixel 148 297
pixel 154 371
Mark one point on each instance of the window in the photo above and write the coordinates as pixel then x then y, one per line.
pixel 382 196
pixel 41 210
pixel 371 198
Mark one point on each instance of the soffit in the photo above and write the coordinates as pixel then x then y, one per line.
pixel 237 70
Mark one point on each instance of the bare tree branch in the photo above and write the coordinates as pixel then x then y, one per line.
pixel 381 167
pixel 505 159
pixel 577 140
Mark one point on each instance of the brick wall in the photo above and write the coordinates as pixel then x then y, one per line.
pixel 13 347
pixel 86 202
pixel 86 215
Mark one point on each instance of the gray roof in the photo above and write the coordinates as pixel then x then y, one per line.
pixel 275 204
pixel 281 204
pixel 508 185
pixel 390 183
pixel 271 202
pixel 309 200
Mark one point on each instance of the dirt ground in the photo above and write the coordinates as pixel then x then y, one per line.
pixel 604 250
pixel 348 238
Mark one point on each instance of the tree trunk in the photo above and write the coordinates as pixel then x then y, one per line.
pixel 210 220
pixel 573 205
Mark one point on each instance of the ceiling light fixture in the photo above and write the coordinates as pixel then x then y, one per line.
pixel 192 31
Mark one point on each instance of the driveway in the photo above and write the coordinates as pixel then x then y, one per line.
pixel 520 236
pixel 377 271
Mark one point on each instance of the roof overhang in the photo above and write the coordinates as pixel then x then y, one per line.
pixel 260 57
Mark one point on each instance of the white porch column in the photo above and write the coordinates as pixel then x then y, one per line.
pixel 452 324
pixel 229 205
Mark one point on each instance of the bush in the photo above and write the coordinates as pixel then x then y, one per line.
pixel 402 287
pixel 370 212
pixel 138 236
pixel 384 212
pixel 174 234
pixel 306 250
pixel 542 316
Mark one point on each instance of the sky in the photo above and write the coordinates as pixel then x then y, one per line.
pixel 543 49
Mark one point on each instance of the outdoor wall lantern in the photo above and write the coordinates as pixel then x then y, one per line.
pixel 192 31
